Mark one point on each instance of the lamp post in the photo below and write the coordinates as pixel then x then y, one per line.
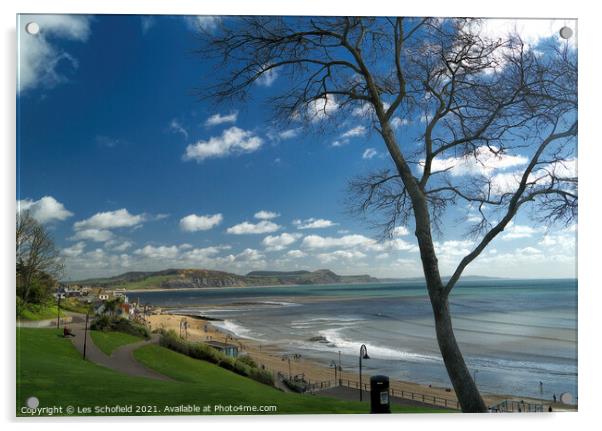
pixel 333 364
pixel 86 333
pixel 288 358
pixel 340 369
pixel 58 309
pixel 363 355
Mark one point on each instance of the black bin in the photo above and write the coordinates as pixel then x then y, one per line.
pixel 379 394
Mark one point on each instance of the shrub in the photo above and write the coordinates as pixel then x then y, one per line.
pixel 170 340
pixel 106 323
pixel 247 360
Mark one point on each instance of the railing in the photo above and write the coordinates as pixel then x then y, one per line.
pixel 394 393
pixel 513 406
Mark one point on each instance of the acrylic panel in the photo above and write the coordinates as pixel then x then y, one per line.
pixel 285 215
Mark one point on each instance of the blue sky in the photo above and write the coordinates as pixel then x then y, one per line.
pixel 131 171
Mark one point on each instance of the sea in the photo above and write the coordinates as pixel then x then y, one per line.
pixel 518 337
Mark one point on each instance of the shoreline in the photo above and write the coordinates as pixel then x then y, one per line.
pixel 273 358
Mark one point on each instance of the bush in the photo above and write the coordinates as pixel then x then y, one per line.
pixel 170 340
pixel 246 359
pixel 105 323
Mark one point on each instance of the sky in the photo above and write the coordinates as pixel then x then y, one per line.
pixel 130 171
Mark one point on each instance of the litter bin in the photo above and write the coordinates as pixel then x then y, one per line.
pixel 379 394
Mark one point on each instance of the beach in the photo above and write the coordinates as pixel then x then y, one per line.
pixel 273 358
pixel 518 337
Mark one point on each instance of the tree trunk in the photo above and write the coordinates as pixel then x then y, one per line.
pixel 464 386
pixel 463 383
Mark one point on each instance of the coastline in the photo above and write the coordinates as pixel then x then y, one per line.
pixel 272 357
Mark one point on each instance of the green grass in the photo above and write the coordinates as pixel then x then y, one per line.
pixel 38 311
pixel 153 282
pixel 185 369
pixel 49 368
pixel 109 341
pixel 75 305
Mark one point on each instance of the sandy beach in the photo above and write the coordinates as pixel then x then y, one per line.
pixel 270 356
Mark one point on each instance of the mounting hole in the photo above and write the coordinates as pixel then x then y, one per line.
pixel 32 28
pixel 566 32
pixel 32 402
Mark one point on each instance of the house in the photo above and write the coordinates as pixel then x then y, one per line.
pixel 227 349
pixel 103 296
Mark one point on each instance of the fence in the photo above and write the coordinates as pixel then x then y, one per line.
pixel 517 407
pixel 394 393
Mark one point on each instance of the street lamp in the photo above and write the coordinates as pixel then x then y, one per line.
pixel 288 358
pixel 58 309
pixel 340 369
pixel 86 333
pixel 333 364
pixel 363 355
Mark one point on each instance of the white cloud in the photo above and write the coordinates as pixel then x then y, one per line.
pixel 515 231
pixel 507 182
pixel 232 141
pixel 194 223
pixel 267 78
pixel 400 231
pixel 44 210
pixel 110 220
pixel 531 31
pixel 340 254
pixel 452 249
pixel 313 223
pixel 397 122
pixel 483 162
pixel 249 254
pixel 363 110
pixel 357 241
pixel 279 242
pixel 296 254
pixel 340 143
pixel 217 119
pixel 369 153
pixel 98 235
pixel 176 127
pixel 202 254
pixel 160 252
pixel 123 246
pixel 320 109
pixel 289 133
pixel 75 250
pixel 40 62
pixel 266 215
pixel 264 226
pixel 317 241
pixel 205 23
pixel 146 23
pixel 354 132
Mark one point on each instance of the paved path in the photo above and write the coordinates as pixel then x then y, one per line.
pixel 122 359
pixel 349 394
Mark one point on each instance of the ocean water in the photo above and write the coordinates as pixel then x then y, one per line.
pixel 514 334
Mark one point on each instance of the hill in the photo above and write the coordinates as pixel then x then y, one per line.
pixel 49 367
pixel 202 278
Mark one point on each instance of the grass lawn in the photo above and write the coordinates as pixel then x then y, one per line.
pixel 153 282
pixel 109 341
pixel 183 368
pixel 49 368
pixel 38 312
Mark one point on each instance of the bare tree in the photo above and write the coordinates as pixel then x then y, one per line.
pixel 37 255
pixel 478 99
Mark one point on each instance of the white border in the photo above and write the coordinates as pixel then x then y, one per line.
pixel 589 226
